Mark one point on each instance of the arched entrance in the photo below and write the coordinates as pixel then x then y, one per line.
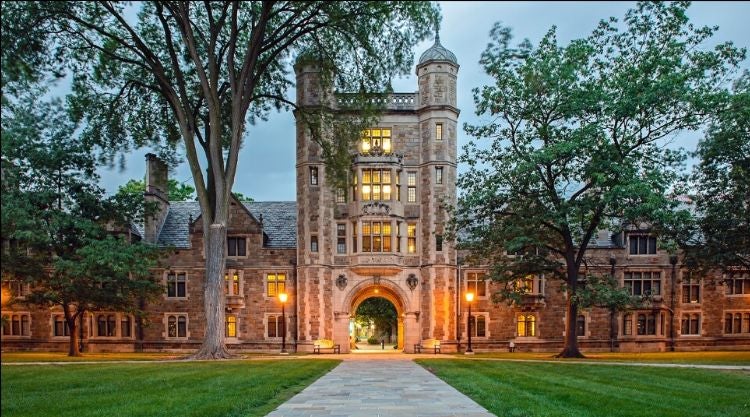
pixel 407 327
pixel 386 323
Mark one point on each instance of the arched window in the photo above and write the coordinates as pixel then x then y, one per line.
pixel 181 326
pixel 111 325
pixel 125 326
pixel 101 325
pixel 172 326
pixel 526 325
pixel 231 325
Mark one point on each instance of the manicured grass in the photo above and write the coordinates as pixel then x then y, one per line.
pixel 205 389
pixel 516 389
pixel 702 358
pixel 9 357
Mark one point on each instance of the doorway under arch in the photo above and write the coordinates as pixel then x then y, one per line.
pixel 374 326
pixel 381 292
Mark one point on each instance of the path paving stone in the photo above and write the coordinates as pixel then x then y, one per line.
pixel 379 388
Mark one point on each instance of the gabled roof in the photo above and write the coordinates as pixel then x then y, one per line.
pixel 279 223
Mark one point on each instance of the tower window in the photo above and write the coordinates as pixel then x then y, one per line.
pixel 411 238
pixel 376 139
pixel 313 176
pixel 439 243
pixel 438 175
pixel 341 238
pixel 438 131
pixel 313 243
pixel 411 183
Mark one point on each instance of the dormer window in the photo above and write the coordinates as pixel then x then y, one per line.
pixel 375 138
pixel 642 245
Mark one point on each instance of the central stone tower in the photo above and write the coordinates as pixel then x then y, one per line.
pixel 381 235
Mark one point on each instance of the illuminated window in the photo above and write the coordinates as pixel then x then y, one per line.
pixel 411 238
pixel 313 243
pixel 438 175
pixel 340 195
pixel 376 184
pixel 354 187
pixel 60 326
pixel 313 176
pixel 376 139
pixel 642 245
pixel 532 285
pixel 231 323
pixel 643 283
pixel 438 131
pixel 646 324
pixel 176 326
pixel 398 237
pixel 275 284
pixel 176 285
pixel 738 283
pixel 341 238
pixel 376 236
pixel 581 326
pixel 691 291
pixel 411 187
pixel 236 246
pixel 476 282
pixel 690 324
pixel 478 325
pixel 627 324
pixel 398 186
pixel 232 285
pixel 526 325
pixel 274 327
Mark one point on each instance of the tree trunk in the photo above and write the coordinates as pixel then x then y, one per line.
pixel 73 348
pixel 213 295
pixel 570 350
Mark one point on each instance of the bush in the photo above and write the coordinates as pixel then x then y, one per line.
pixel 373 341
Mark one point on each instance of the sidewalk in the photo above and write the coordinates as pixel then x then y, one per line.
pixel 378 388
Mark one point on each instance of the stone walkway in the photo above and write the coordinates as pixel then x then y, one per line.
pixel 379 388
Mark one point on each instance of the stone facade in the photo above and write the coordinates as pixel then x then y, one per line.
pixel 381 236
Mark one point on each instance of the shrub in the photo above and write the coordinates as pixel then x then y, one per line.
pixel 373 341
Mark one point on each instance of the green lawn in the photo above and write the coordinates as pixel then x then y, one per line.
pixel 514 389
pixel 8 357
pixel 702 358
pixel 205 389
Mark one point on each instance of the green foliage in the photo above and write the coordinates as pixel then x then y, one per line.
pixel 721 238
pixel 176 191
pixel 66 239
pixel 242 197
pixel 379 311
pixel 372 340
pixel 576 140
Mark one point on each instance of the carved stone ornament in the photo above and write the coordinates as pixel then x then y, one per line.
pixel 376 208
pixel 341 282
pixel 376 280
pixel 412 281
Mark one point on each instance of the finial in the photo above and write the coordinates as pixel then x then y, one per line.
pixel 437 34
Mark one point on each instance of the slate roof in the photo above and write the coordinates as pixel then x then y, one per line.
pixel 279 223
pixel 438 52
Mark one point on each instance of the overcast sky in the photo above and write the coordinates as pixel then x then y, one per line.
pixel 266 164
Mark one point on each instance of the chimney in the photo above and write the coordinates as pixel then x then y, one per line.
pixel 157 175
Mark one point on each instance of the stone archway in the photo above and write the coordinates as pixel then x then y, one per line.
pixel 408 332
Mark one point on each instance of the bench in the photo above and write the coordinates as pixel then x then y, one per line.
pixel 327 345
pixel 433 344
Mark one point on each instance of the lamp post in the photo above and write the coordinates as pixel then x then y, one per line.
pixel 469 299
pixel 283 298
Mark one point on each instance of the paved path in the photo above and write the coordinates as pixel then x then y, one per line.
pixel 379 388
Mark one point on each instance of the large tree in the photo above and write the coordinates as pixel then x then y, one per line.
pixel 721 239
pixel 379 312
pixel 577 137
pixel 195 73
pixel 66 240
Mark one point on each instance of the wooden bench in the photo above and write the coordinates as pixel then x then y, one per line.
pixel 327 345
pixel 433 344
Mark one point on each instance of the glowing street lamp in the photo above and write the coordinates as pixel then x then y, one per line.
pixel 469 299
pixel 283 297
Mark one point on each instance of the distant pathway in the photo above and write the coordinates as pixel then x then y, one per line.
pixel 379 388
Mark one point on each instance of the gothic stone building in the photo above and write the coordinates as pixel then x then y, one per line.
pixel 382 237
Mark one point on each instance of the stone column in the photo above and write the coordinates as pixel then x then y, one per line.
pixel 341 330
pixel 412 333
